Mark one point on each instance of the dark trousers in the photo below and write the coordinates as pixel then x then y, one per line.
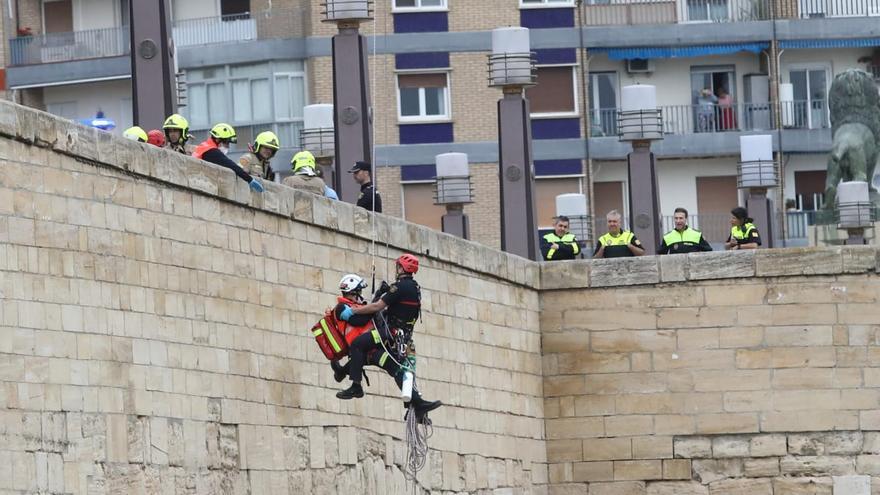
pixel 365 351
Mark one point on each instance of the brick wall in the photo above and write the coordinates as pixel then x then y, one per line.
pixel 746 373
pixel 154 337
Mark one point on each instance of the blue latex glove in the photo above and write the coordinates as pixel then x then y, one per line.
pixel 256 186
pixel 346 313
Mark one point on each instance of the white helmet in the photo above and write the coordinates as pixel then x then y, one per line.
pixel 352 283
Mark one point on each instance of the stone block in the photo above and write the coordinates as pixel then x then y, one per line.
pixel 858 259
pixel 817 466
pixel 652 447
pixel 720 265
pixel 801 335
pixel 638 470
pixel 868 464
pixel 618 488
pixel 629 425
pixel 743 486
pixel 617 272
pixel 625 341
pixel 677 469
pixel 871 443
pixel 710 470
pixel 673 268
pixel 677 488
pixel 316 447
pixel 852 485
pixel 692 447
pixel 565 275
pixel 727 423
pixel 591 471
pixel 730 447
pixel 798 261
pixel 767 445
pixel 606 449
pixel 843 442
pixel 802 486
pixel 761 468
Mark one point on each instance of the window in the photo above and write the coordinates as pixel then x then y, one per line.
pixel 403 5
pixel 707 10
pixel 546 191
pixel 546 3
pixel 603 103
pixel 555 92
pixel 419 207
pixel 57 16
pixel 423 96
pixel 234 7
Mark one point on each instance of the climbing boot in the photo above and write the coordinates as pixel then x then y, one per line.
pixel 423 407
pixel 352 392
pixel 339 371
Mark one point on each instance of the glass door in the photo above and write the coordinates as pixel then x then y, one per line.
pixel 810 87
pixel 603 103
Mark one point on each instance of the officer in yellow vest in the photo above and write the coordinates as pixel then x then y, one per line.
pixel 683 239
pixel 560 244
pixel 617 243
pixel 743 234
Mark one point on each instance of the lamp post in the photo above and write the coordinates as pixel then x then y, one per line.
pixel 453 189
pixel 757 172
pixel 512 68
pixel 351 90
pixel 855 210
pixel 640 122
pixel 153 83
pixel 318 137
pixel 574 206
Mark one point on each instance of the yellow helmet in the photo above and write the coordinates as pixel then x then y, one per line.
pixel 224 132
pixel 302 160
pixel 176 121
pixel 267 139
pixel 136 134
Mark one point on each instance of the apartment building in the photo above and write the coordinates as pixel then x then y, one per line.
pixel 256 63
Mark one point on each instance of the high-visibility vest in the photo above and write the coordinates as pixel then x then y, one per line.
pixel 351 332
pixel 624 238
pixel 568 238
pixel 687 236
pixel 743 233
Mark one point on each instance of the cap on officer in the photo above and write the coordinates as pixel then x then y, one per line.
pixel 360 165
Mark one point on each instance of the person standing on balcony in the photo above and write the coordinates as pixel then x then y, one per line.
pixel 683 239
pixel 256 160
pixel 743 233
pixel 706 110
pixel 177 134
pixel 617 243
pixel 727 111
pixel 215 148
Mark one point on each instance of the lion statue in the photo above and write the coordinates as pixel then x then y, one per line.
pixel 855 127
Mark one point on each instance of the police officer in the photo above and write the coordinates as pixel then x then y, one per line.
pixel 617 243
pixel 683 239
pixel 402 305
pixel 743 233
pixel 256 160
pixel 560 244
pixel 363 175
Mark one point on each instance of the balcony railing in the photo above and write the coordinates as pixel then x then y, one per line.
pixel 715 227
pixel 65 47
pixel 817 9
pixel 697 119
pixel 267 24
pixel 635 12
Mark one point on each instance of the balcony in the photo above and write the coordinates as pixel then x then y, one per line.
pixel 817 9
pixel 267 24
pixel 66 47
pixel 639 12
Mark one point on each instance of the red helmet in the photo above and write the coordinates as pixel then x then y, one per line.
pixel 156 138
pixel 409 263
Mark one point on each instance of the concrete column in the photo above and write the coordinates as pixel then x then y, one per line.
pixel 761 210
pixel 519 233
pixel 153 87
pixel 455 222
pixel 351 109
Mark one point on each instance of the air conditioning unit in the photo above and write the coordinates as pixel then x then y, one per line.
pixel 639 65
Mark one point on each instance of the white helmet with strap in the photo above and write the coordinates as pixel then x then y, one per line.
pixel 352 283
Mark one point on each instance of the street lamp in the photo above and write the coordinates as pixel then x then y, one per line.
pixel 318 136
pixel 855 210
pixel 757 172
pixel 453 189
pixel 640 122
pixel 574 207
pixel 512 68
pixel 351 90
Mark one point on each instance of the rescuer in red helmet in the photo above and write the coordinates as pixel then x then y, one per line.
pixel 402 303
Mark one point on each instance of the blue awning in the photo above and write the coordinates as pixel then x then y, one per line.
pixel 844 43
pixel 680 51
